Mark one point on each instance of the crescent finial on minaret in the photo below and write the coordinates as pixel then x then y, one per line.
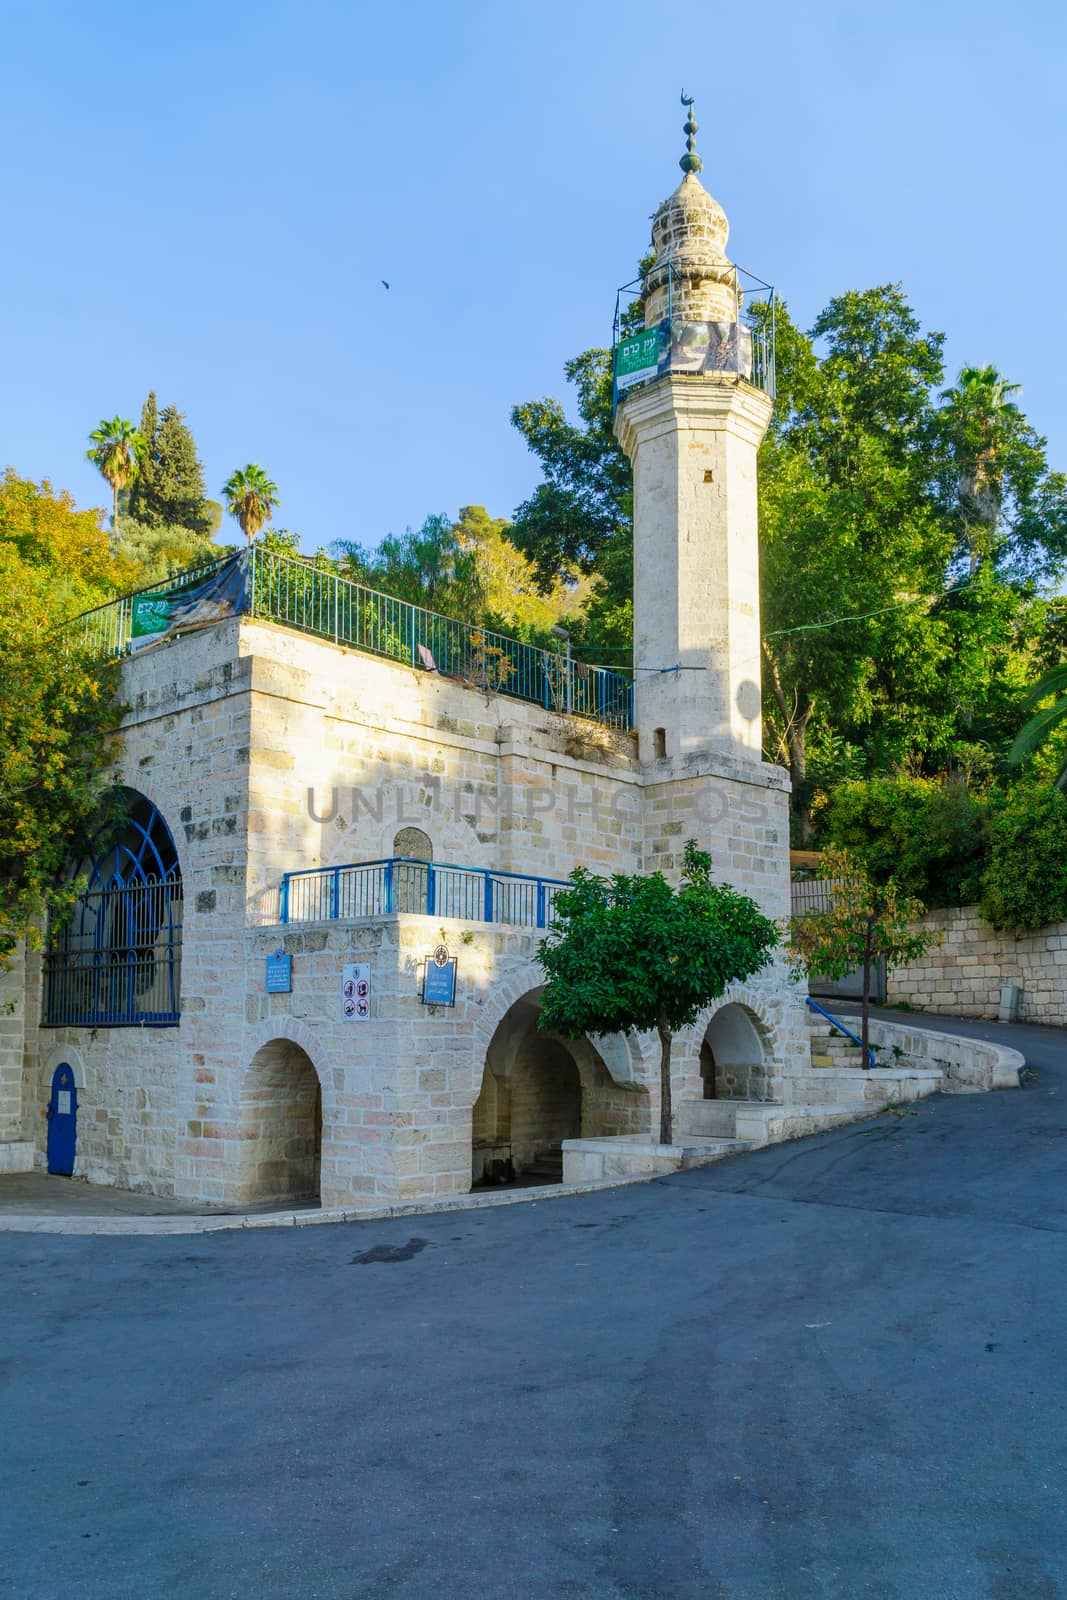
pixel 690 162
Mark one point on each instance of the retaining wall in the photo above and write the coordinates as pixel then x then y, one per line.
pixel 962 975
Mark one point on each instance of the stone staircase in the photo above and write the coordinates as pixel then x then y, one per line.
pixel 546 1167
pixel 840 1076
pixel 834 1089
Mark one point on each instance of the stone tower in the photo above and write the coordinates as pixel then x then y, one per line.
pixel 692 433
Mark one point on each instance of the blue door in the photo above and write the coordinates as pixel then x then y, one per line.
pixel 62 1121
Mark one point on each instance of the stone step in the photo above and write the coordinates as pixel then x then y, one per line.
pixel 712 1117
pixel 878 1086
pixel 629 1155
pixel 546 1164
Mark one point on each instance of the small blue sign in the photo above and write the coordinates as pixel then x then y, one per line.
pixel 279 973
pixel 439 984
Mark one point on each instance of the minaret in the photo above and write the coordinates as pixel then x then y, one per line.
pixel 692 434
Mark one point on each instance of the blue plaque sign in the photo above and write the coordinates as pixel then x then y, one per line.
pixel 279 973
pixel 439 984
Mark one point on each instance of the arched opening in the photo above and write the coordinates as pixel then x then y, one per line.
pixel 546 1106
pixel 537 1091
pixel 281 1125
pixel 521 1120
pixel 117 961
pixel 411 847
pixel 732 1057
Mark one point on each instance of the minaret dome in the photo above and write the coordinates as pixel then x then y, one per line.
pixel 692 278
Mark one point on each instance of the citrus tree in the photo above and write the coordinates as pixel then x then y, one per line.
pixel 632 954
pixel 865 922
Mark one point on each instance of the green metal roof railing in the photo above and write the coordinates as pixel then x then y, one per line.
pixel 313 600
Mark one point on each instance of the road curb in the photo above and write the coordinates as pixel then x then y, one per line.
pixel 36 1222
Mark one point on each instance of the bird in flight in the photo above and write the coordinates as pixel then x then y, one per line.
pixel 384 284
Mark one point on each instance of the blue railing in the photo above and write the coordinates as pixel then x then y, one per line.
pixel 317 601
pixel 402 884
pixel 835 1022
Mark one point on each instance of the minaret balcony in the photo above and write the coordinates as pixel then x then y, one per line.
pixel 739 346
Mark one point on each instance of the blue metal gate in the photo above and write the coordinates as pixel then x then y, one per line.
pixel 62 1121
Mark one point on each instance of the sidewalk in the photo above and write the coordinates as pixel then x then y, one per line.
pixel 38 1194
pixel 35 1203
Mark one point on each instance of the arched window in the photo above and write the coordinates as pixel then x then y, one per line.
pixel 411 848
pixel 116 961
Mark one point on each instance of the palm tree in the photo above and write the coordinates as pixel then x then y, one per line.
pixel 251 498
pixel 1045 722
pixel 118 450
pixel 980 420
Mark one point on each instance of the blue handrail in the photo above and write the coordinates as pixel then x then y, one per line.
pixel 835 1022
pixel 423 888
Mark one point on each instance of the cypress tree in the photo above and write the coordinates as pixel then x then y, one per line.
pixel 139 494
pixel 170 491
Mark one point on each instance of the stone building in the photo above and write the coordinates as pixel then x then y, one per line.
pixel 353 787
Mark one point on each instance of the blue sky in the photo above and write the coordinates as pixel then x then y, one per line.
pixel 203 199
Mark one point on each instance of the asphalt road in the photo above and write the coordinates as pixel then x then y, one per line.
pixel 831 1370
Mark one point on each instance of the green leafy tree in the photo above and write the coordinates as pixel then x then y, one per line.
pixel 883 643
pixel 156 551
pixel 1046 723
pixel 929 835
pixel 1025 882
pixel 250 497
pixel 580 517
pixel 866 922
pixel 169 490
pixel 1009 511
pixel 117 451
pixel 430 566
pixel 849 525
pixel 58 714
pixel 631 954
pixel 70 548
pixel 513 600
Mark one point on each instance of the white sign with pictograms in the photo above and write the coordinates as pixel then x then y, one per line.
pixel 355 991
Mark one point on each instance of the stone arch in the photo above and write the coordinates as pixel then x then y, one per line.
pixel 413 843
pixel 117 960
pixel 620 1055
pixel 55 1057
pixel 412 846
pixel 537 1089
pixel 734 1054
pixel 280 1124
pixel 166 797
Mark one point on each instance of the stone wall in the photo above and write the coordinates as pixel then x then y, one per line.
pixel 16 1110
pixel 128 1082
pixel 12 1037
pixel 546 1100
pixel 267 751
pixel 962 975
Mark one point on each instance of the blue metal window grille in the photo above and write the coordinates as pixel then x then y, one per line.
pixel 117 961
pixel 403 884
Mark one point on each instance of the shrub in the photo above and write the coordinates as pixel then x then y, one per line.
pixel 930 836
pixel 1025 883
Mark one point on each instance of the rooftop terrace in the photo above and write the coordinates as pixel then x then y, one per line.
pixel 313 600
